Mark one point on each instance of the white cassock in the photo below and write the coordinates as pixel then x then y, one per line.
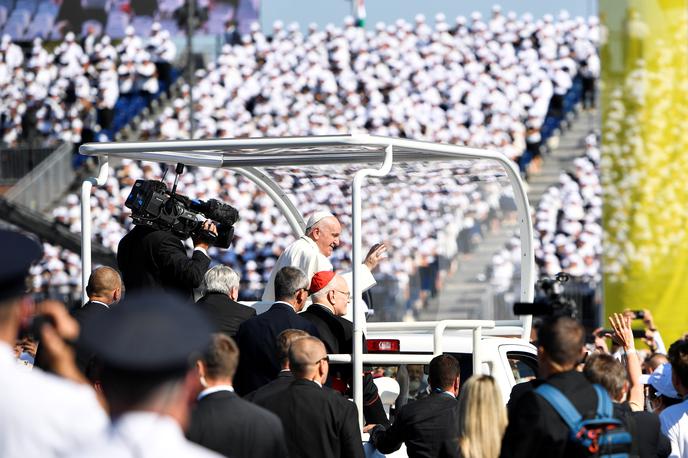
pixel 44 415
pixel 305 255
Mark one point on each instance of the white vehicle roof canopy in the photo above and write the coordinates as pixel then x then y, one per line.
pixel 250 157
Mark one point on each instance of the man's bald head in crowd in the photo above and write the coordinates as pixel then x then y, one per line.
pixel 308 359
pixel 104 285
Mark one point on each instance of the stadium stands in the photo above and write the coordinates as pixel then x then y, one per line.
pixel 480 83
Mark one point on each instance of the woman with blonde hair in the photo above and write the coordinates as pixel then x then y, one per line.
pixel 482 418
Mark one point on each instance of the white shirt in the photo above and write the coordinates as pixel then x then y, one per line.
pixel 214 389
pixel 44 415
pixel 674 421
pixel 143 435
pixel 305 255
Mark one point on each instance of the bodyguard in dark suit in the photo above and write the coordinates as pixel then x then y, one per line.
pixel 220 292
pixel 285 377
pixel 104 289
pixel 258 362
pixel 425 425
pixel 221 420
pixel 150 258
pixel 318 422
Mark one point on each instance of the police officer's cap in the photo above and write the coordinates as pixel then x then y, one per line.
pixel 149 331
pixel 19 252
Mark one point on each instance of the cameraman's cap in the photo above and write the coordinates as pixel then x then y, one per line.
pixel 660 380
pixel 149 331
pixel 21 252
pixel 320 280
pixel 316 218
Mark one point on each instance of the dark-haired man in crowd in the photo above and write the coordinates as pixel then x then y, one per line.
pixel 152 258
pixel 285 377
pixel 425 425
pixel 224 422
pixel 674 419
pixel 258 363
pixel 535 429
pixel 318 422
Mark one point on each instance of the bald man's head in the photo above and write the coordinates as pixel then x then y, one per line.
pixel 308 359
pixel 104 285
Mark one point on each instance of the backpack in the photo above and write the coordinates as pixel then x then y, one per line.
pixel 601 436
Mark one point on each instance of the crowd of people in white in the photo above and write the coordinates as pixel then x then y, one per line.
pixel 567 225
pixel 483 83
pixel 54 96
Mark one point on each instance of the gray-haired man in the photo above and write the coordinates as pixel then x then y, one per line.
pixel 220 293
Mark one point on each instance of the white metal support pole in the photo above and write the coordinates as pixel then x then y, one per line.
pixel 86 221
pixel 357 260
pixel 477 353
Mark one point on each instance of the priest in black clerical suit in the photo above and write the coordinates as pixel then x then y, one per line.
pixel 330 295
pixel 221 291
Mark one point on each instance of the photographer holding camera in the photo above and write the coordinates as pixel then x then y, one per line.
pixel 153 255
pixel 155 258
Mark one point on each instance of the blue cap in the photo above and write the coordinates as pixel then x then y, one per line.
pixel 19 252
pixel 148 331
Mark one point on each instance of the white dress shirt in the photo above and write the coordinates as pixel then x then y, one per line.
pixel 43 415
pixel 143 435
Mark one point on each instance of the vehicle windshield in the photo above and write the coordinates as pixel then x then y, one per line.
pixel 451 230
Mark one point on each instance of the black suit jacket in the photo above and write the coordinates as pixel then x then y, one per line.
pixel 257 341
pixel 536 430
pixel 225 313
pixel 318 422
pixel 229 425
pixel 332 328
pixel 283 380
pixel 85 358
pixel 149 258
pixel 425 426
pixel 337 335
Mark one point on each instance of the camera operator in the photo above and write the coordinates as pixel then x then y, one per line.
pixel 153 258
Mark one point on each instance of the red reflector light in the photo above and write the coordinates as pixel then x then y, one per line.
pixel 383 345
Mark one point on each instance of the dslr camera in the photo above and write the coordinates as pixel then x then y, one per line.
pixel 549 299
pixel 152 204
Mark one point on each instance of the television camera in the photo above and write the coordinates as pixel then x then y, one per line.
pixel 152 204
pixel 549 300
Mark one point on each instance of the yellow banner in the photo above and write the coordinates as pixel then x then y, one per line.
pixel 644 103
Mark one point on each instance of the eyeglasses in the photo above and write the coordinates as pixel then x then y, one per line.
pixel 347 294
